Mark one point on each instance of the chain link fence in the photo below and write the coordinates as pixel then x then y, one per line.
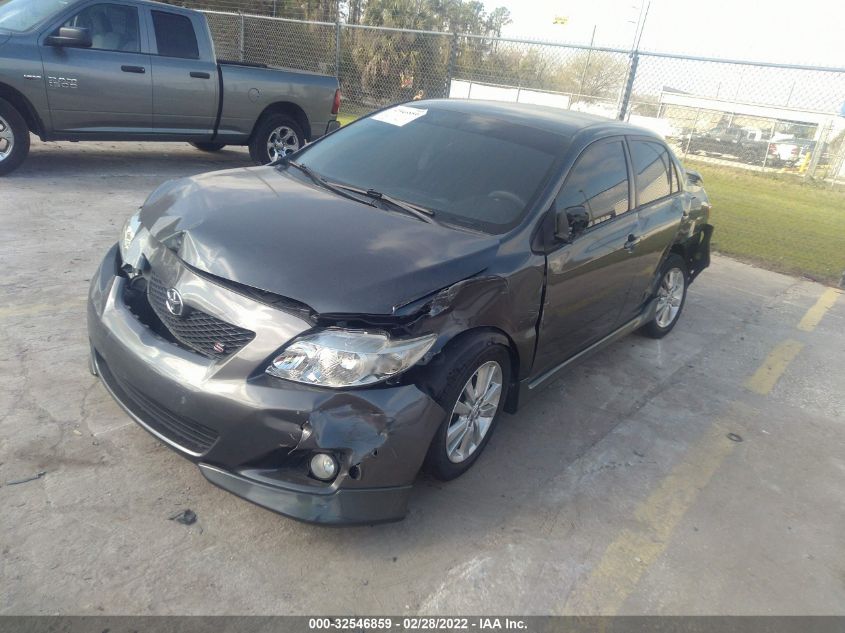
pixel 749 115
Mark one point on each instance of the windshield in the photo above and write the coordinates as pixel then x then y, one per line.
pixel 22 15
pixel 469 169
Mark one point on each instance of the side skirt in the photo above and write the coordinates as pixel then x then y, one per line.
pixel 529 386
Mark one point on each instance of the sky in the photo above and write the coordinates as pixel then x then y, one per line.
pixel 762 30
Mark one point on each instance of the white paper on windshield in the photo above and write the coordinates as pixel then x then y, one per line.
pixel 400 115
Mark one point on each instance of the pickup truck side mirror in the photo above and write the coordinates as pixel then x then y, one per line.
pixel 571 222
pixel 70 37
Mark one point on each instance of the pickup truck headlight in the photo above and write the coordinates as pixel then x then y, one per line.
pixel 127 235
pixel 347 358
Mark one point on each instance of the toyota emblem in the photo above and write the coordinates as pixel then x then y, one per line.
pixel 174 302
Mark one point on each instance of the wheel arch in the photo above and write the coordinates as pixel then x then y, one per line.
pixel 430 376
pixel 25 108
pixel 285 107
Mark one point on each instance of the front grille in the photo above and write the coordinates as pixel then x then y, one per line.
pixel 195 329
pixel 184 432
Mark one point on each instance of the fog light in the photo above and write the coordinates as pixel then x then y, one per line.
pixel 323 466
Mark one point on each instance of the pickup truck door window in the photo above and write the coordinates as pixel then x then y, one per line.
pixel 185 81
pixel 659 211
pixel 588 279
pixel 106 88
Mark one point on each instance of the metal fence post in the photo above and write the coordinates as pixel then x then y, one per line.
pixel 337 44
pixel 625 98
pixel 823 135
pixel 450 67
pixel 241 39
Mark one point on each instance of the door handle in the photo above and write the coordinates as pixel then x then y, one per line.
pixel 632 242
pixel 197 75
pixel 140 70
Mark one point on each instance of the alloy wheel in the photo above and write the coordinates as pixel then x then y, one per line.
pixel 281 142
pixel 670 295
pixel 474 411
pixel 7 139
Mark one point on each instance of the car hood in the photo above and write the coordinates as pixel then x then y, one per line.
pixel 265 228
pixel 4 36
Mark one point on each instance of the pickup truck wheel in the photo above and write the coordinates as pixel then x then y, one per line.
pixel 277 135
pixel 209 147
pixel 474 394
pixel 14 138
pixel 671 297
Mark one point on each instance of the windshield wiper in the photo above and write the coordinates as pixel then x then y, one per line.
pixel 319 180
pixel 421 213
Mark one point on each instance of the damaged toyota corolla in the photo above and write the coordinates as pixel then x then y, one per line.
pixel 314 332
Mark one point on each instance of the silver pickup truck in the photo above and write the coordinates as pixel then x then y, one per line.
pixel 133 70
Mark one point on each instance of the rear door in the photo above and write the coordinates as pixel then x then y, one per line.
pixel 185 81
pixel 588 279
pixel 105 89
pixel 660 209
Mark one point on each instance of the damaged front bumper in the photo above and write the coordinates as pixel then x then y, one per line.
pixel 250 433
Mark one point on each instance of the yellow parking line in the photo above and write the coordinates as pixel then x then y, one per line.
pixel 38 308
pixel 628 557
pixel 767 376
pixel 815 314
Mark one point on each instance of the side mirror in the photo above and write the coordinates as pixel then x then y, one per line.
pixel 571 222
pixel 70 37
pixel 694 178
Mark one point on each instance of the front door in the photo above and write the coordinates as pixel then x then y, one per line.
pixel 106 88
pixel 588 279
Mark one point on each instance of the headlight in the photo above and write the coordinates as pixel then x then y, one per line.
pixel 347 358
pixel 127 235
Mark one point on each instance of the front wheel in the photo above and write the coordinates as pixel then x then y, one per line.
pixel 276 136
pixel 473 396
pixel 671 297
pixel 14 138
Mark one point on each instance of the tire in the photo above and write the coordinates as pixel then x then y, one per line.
pixel 674 271
pixel 750 156
pixel 464 370
pixel 14 138
pixel 209 147
pixel 260 146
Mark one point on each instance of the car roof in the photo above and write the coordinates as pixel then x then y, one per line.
pixel 557 120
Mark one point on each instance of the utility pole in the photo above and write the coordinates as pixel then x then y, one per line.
pixel 587 63
pixel 634 57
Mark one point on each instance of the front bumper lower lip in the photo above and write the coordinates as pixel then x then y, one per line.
pixel 343 507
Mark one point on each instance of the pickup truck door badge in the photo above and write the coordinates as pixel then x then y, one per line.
pixel 62 82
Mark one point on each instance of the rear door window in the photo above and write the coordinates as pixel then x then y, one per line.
pixel 175 35
pixel 652 170
pixel 598 182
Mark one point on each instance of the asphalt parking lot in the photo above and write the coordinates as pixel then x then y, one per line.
pixel 617 490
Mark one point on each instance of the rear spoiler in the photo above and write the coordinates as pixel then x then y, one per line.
pixel 694 178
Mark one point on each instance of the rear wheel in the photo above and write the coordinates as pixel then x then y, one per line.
pixel 14 138
pixel 208 147
pixel 276 136
pixel 473 396
pixel 671 297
